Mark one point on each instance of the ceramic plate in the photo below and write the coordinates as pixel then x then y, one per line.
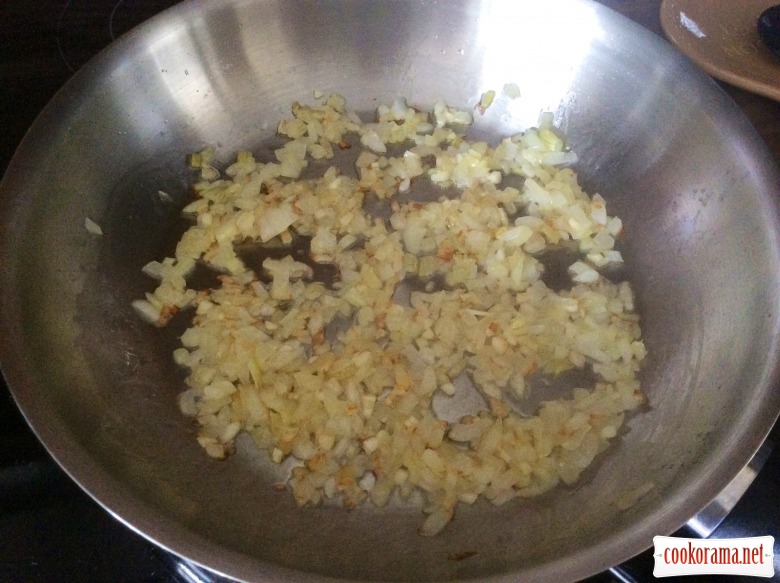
pixel 721 37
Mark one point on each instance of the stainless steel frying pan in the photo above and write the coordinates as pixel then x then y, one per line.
pixel 673 156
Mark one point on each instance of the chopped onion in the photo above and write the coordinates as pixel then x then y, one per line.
pixel 343 381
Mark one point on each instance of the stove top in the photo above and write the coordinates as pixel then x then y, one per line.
pixel 50 530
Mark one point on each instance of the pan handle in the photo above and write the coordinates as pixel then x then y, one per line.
pixel 703 524
pixel 180 570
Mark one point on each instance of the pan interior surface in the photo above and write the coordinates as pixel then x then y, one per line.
pixel 671 154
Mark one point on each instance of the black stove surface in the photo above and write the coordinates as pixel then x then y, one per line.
pixel 50 530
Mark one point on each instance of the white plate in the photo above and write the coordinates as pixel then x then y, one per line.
pixel 721 37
